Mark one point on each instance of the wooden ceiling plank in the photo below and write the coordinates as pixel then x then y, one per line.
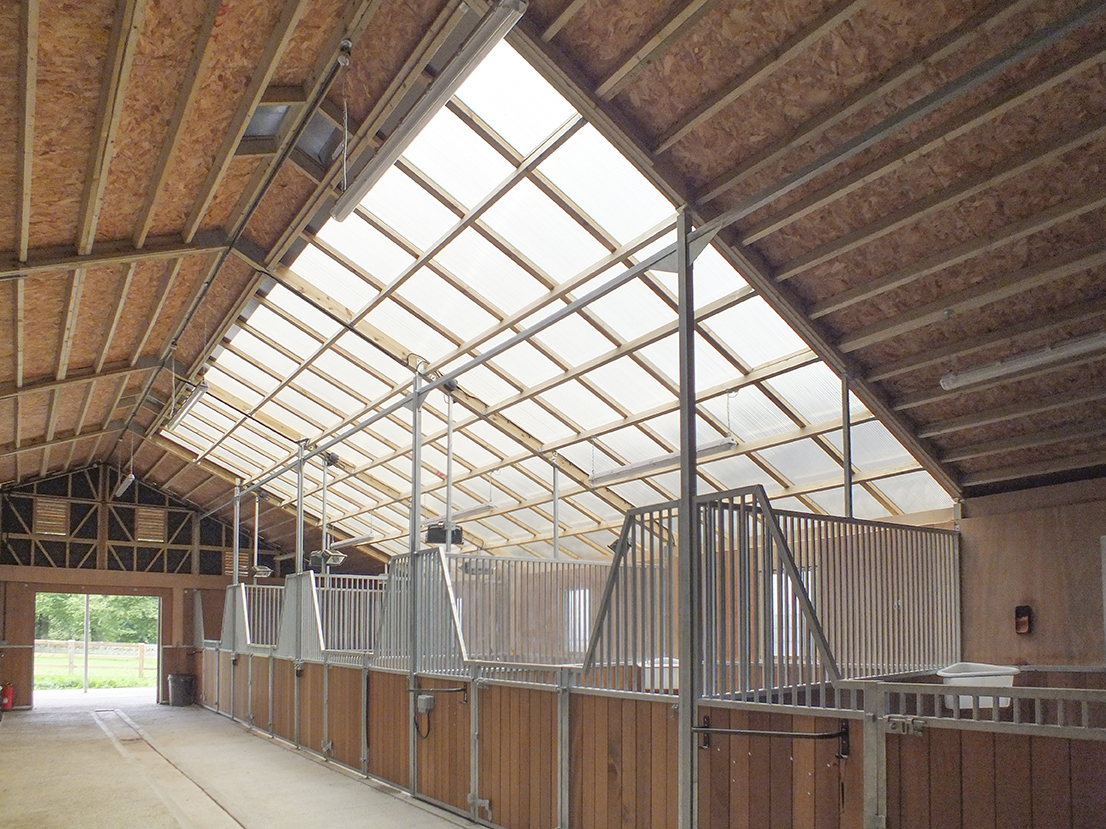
pixel 1010 168
pixel 771 62
pixel 961 348
pixel 69 328
pixel 1034 470
pixel 1037 222
pixel 278 41
pixel 121 52
pixel 977 296
pixel 354 21
pixel 364 139
pixel 190 90
pixel 85 405
pixel 28 81
pixel 63 258
pixel 1023 408
pixel 562 19
pixel 671 29
pixel 18 449
pixel 987 110
pixel 940 48
pixel 120 303
pixel 1025 440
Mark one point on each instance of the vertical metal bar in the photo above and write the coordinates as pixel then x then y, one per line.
pixel 235 543
pixel 413 545
pixel 299 506
pixel 846 445
pixel 564 707
pixel 256 532
pixel 688 563
pixel 87 638
pixel 875 757
pixel 449 472
pixel 556 508
pixel 474 743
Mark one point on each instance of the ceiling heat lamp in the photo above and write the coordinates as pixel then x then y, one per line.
pixel 1023 362
pixel 491 29
pixel 664 463
pixel 197 393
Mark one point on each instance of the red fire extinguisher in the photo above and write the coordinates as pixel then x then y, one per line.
pixel 7 696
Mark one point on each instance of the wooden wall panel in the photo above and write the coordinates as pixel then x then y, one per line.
pixel 443 755
pixel 606 768
pixel 226 691
pixel 209 679
pixel 388 727
pixel 242 689
pixel 18 630
pixel 259 693
pixel 345 690
pixel 284 700
pixel 518 756
pixel 311 706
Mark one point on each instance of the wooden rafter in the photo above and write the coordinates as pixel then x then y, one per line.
pixel 165 284
pixel 562 19
pixel 120 304
pixel 63 258
pixel 291 12
pixel 121 51
pixel 1027 440
pixel 772 62
pixel 12 391
pixel 1023 408
pixel 69 328
pixel 17 448
pixel 1052 466
pixel 28 80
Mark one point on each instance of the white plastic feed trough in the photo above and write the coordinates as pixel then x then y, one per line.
pixel 978 674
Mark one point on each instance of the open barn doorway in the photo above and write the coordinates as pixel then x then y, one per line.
pixel 92 646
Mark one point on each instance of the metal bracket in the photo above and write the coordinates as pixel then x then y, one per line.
pixel 478 803
pixel 912 726
pixel 328 748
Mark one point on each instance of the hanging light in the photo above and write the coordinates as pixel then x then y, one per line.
pixel 663 463
pixel 198 391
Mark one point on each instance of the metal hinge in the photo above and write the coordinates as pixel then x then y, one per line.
pixel 328 748
pixel 912 726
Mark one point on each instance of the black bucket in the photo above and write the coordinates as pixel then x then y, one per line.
pixel 182 689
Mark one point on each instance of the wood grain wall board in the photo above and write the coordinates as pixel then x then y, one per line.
pixel 945 806
pixel 10 121
pixel 311 707
pixel 287 195
pixel 284 699
pixel 95 313
pixel 312 33
pixel 19 629
pixel 260 716
pixel 346 693
pixel 443 756
pixel 73 44
pixel 222 295
pixel 44 303
pixel 1088 758
pixel 230 189
pixel 518 721
pixel 240 38
pixel 1051 781
pixel 388 728
pixel 164 49
pixel 1012 781
pixel 209 678
pixel 242 689
pixel 182 290
pixel 226 687
pixel 391 36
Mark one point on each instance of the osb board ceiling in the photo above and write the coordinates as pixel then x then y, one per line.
pixel 917 188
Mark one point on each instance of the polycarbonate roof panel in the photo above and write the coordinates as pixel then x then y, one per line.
pixel 520 258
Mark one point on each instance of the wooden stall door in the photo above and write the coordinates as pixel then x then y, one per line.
pixel 344 715
pixel 388 728
pixel 260 716
pixel 284 700
pixel 443 753
pixel 311 707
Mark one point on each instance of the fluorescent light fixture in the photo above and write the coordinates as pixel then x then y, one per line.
pixel 197 393
pixel 462 514
pixel 664 463
pixel 353 542
pixel 1023 362
pixel 124 485
pixel 491 29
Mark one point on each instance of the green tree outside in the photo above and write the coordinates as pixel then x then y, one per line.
pixel 111 618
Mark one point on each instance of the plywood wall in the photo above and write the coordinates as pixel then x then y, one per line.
pixel 284 678
pixel 1039 548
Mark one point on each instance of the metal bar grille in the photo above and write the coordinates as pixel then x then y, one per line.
pixel 349 607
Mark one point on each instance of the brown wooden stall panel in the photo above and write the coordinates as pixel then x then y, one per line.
pixel 748 781
pixel 1088 789
pixel 388 728
pixel 209 679
pixel 284 699
pixel 226 691
pixel 612 782
pixel 259 693
pixel 344 686
pixel 242 688
pixel 443 753
pixel 312 695
pixel 518 756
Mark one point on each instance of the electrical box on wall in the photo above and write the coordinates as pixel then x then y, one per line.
pixel 1023 619
pixel 424 703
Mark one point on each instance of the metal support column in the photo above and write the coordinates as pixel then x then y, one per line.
pixel 474 747
pixel 847 445
pixel 690 644
pixel 875 757
pixel 556 508
pixel 413 547
pixel 235 552
pixel 564 700
pixel 296 662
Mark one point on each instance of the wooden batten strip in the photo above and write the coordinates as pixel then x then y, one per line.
pixel 20 331
pixel 1023 408
pixel 62 258
pixel 17 448
pixel 274 49
pixel 189 92
pixel 562 19
pixel 678 22
pixel 124 37
pixel 65 347
pixel 28 81
pixel 763 68
pixel 120 303
pixel 10 391
pixel 164 285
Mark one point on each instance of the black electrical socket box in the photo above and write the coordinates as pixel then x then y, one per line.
pixel 1023 619
pixel 436 534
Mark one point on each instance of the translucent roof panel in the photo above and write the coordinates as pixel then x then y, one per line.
pixel 399 202
pixel 333 278
pixel 362 243
pixel 441 302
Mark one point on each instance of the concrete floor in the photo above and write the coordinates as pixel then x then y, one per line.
pixel 117 760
